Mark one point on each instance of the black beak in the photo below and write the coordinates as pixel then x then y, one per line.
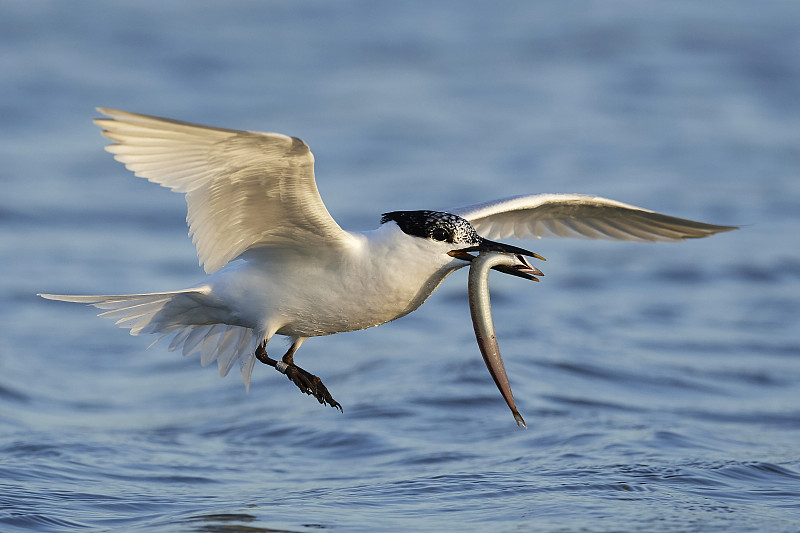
pixel 490 246
pixel 522 270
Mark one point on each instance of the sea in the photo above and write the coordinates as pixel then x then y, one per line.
pixel 660 382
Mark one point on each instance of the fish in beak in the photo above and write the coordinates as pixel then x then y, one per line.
pixel 510 260
pixel 520 268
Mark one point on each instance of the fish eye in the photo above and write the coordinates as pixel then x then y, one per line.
pixel 440 234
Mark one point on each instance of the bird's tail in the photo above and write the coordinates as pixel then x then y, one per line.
pixel 177 313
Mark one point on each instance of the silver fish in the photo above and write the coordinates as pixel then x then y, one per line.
pixel 481 310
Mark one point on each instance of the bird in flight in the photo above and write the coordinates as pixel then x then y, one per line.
pixel 279 264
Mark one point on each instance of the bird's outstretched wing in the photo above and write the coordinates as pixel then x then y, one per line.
pixel 578 215
pixel 243 189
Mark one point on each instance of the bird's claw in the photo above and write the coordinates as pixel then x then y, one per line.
pixel 305 381
pixel 310 384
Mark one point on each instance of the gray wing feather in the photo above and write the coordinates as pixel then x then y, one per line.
pixel 243 189
pixel 579 215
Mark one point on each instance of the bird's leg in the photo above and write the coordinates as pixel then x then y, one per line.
pixel 261 355
pixel 305 381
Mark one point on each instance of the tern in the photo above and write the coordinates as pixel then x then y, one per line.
pixel 279 264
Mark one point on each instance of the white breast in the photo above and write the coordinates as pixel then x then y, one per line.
pixel 387 275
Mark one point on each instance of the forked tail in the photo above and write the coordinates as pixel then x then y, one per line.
pixel 177 313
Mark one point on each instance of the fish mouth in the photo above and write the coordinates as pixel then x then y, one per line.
pixel 520 268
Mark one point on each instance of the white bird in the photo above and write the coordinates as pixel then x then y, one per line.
pixel 279 264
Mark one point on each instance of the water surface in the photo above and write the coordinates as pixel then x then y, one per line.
pixel 660 382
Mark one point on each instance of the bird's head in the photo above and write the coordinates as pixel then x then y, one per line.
pixel 458 239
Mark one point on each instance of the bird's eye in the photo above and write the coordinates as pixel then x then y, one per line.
pixel 440 234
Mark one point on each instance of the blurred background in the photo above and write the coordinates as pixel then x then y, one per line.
pixel 660 382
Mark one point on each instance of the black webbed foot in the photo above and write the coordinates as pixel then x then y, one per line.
pixel 309 384
pixel 305 381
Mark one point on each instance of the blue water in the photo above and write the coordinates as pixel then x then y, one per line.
pixel 661 383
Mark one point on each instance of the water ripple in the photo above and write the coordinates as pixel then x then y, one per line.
pixel 660 383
